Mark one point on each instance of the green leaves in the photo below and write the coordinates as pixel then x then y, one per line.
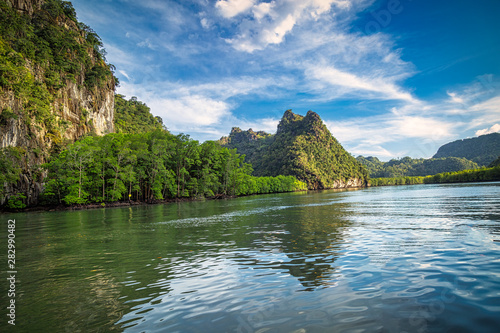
pixel 133 116
pixel 414 167
pixel 152 166
pixel 303 147
pixel 10 159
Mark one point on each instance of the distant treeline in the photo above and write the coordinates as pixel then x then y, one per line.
pixel 407 166
pixel 152 166
pixel 479 175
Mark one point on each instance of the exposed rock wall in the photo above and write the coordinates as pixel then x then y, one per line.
pixel 26 6
pixel 81 109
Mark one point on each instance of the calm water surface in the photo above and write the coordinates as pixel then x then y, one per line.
pixel 423 258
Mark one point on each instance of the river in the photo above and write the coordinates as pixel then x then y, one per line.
pixel 422 258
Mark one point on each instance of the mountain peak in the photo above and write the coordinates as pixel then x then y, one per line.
pixel 302 147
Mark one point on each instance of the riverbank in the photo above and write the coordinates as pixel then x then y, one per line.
pixel 465 176
pixel 93 205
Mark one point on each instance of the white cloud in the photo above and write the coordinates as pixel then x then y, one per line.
pixel 268 125
pixel 455 98
pixel 371 135
pixel 147 43
pixel 272 21
pixel 232 8
pixel 261 10
pixel 351 82
pixel 190 110
pixel 493 129
pixel 484 113
pixel 204 110
pixel 491 105
pixel 371 150
pixel 122 72
pixel 425 128
pixel 205 23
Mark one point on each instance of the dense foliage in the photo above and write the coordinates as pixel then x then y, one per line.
pixel 134 116
pixel 495 163
pixel 54 40
pixel 478 175
pixel 249 143
pixel 53 44
pixel 409 167
pixel 152 166
pixel 302 147
pixel 483 150
pixel 10 158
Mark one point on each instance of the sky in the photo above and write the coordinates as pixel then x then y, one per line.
pixel 390 78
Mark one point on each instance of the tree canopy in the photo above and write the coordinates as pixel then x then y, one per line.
pixel 134 116
pixel 483 149
pixel 410 167
pixel 152 166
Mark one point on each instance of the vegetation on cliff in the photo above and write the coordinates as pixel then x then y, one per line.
pixel 41 54
pixel 483 149
pixel 55 86
pixel 134 116
pixel 302 147
pixel 410 167
pixel 152 166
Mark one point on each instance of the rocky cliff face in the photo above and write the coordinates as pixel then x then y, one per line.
pixel 71 110
pixel 26 6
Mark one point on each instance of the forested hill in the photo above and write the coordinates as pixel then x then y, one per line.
pixel 134 116
pixel 55 87
pixel 495 163
pixel 414 167
pixel 302 147
pixel 483 149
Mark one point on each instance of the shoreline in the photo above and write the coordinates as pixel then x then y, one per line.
pixel 62 207
pixel 94 205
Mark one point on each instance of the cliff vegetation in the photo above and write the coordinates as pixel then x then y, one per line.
pixel 134 116
pixel 302 147
pixel 55 87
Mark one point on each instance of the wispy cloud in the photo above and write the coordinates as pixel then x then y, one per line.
pixel 346 83
pixel 371 135
pixel 455 98
pixel 204 108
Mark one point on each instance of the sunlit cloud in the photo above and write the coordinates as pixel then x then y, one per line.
pixel 270 22
pixel 232 8
pixel 493 129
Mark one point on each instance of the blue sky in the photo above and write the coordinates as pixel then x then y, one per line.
pixel 389 78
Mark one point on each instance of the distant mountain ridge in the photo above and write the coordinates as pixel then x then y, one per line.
pixel 412 167
pixel 302 147
pixel 483 149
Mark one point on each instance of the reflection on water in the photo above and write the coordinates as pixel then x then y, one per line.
pixel 415 259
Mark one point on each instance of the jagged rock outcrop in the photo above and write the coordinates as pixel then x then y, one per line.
pixel 302 147
pixel 26 6
pixel 42 108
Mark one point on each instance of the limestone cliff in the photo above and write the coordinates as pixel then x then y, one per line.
pixel 302 147
pixel 55 85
